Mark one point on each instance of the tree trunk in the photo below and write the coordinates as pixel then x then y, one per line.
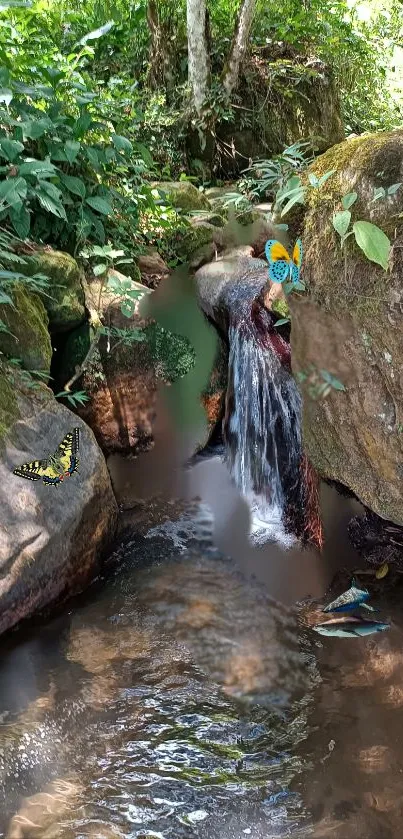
pixel 160 72
pixel 239 45
pixel 198 56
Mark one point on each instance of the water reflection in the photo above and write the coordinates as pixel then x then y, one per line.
pixel 180 700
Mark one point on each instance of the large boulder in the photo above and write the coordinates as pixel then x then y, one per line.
pixel 52 539
pixel 349 323
pixel 27 337
pixel 182 195
pixel 288 98
pixel 65 302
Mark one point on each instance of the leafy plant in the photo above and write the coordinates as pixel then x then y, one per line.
pixel 369 237
pixel 319 383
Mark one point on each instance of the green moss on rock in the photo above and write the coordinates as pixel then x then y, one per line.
pixel 172 355
pixel 183 195
pixel 9 412
pixel 28 324
pixel 65 305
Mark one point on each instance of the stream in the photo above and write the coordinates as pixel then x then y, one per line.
pixel 177 698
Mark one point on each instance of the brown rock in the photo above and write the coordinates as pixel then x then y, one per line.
pixel 52 538
pixel 349 324
pixel 151 264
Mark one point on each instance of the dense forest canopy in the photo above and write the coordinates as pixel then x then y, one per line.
pixel 98 100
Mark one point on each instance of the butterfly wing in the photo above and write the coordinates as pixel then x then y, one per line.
pixel 67 452
pixel 66 455
pixel 32 471
pixel 279 261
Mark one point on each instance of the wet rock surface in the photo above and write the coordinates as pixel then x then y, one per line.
pixel 348 323
pixel 52 539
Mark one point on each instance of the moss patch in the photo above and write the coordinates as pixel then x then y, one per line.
pixel 9 412
pixel 172 355
pixel 65 306
pixel 28 323
pixel 183 195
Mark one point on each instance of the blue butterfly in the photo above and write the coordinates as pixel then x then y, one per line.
pixel 281 266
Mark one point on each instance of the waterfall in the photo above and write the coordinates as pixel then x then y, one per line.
pixel 262 427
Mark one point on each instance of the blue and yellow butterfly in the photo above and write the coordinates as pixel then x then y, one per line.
pixel 60 465
pixel 282 267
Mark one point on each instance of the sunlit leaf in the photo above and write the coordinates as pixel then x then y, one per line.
pixel 97 33
pixel 373 242
pixel 341 222
pixel 349 199
pixel 100 205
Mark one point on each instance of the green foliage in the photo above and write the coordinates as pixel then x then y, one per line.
pixel 74 398
pixel 10 276
pixel 369 237
pixel 319 383
pixel 68 173
pixel 373 242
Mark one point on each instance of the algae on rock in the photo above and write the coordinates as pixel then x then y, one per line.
pixel 65 303
pixel 349 323
pixel 28 337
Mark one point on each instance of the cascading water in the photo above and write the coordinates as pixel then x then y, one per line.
pixel 262 427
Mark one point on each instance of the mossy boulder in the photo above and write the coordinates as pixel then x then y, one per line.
pixel 65 304
pixel 52 540
pixel 288 99
pixel 28 337
pixel 183 195
pixel 349 323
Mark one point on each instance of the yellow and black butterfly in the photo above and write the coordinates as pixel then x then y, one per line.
pixel 57 467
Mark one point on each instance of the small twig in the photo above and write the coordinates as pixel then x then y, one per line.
pixel 80 368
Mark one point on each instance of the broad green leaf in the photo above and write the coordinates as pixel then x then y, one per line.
pixel 326 176
pixel 99 269
pixel 393 188
pixel 379 192
pixel 143 150
pixel 313 180
pixel 373 242
pixel 50 203
pixel 93 157
pixel 97 33
pixel 100 205
pixel 71 148
pixel 10 149
pixel 297 198
pixel 122 143
pixel 74 185
pixel 35 91
pixel 56 152
pixel 349 199
pixel 35 128
pixel 12 190
pixel 21 221
pixel 298 286
pixel 37 167
pixel 341 222
pixel 282 321
pixel 6 95
pixel 128 307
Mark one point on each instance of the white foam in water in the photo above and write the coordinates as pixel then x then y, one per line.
pixel 195 524
pixel 263 446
